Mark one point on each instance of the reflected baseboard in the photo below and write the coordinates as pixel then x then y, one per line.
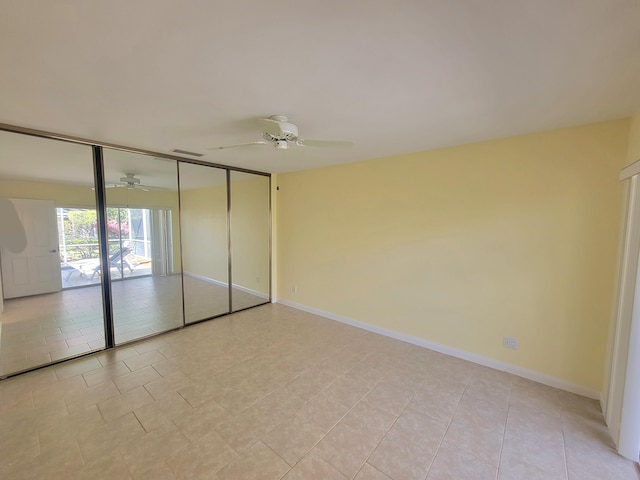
pixel 226 284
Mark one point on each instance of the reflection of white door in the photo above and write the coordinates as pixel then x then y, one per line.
pixel 36 269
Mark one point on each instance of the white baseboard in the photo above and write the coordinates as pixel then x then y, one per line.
pixel 472 357
pixel 225 284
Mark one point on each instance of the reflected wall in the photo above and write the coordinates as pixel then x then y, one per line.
pixel 205 246
pixel 250 239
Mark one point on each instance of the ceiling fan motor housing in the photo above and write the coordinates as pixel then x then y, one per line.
pixel 278 129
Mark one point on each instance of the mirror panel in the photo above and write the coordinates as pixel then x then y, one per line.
pixel 50 269
pixel 250 234
pixel 203 210
pixel 144 244
pixel 51 306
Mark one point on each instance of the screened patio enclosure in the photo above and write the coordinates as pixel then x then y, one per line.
pixel 131 243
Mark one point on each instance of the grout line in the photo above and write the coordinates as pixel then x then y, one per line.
pixel 564 454
pixel 504 434
pixel 395 421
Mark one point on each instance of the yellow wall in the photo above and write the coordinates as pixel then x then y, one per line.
pixel 461 246
pixel 65 195
pixel 204 226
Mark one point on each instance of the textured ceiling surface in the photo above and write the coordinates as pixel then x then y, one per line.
pixel 392 77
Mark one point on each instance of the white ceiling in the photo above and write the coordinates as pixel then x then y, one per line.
pixel 393 77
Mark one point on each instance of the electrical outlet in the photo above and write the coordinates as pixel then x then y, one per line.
pixel 510 342
pixel 294 289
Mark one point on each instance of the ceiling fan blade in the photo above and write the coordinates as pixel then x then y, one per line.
pixel 238 145
pixel 324 143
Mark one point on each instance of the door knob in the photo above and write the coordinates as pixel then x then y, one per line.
pixel 53 251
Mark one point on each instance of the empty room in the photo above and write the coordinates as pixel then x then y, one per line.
pixel 320 240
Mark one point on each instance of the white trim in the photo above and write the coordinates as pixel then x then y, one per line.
pixel 627 274
pixel 472 357
pixel 630 170
pixel 225 284
pixel 629 442
pixel 626 347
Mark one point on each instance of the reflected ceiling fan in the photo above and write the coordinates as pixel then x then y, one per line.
pixel 130 182
pixel 279 132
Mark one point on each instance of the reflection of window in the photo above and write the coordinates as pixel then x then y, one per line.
pixel 130 233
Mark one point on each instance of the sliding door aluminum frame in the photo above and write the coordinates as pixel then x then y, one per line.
pixel 101 210
pixel 83 141
pixel 103 246
pixel 229 245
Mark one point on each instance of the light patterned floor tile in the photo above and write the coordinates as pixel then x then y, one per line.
pixel 305 397
pixel 367 472
pixel 202 459
pixel 453 464
pixel 293 438
pixel 142 454
pixel 259 463
pixel 313 466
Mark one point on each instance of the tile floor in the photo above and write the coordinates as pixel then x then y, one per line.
pixel 272 392
pixel 44 328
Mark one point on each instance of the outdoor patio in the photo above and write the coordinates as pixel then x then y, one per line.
pixel 80 273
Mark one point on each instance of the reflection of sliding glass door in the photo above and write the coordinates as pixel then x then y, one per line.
pixel 130 238
pixel 161 241
pixel 142 219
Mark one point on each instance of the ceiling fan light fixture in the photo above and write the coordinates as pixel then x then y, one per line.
pixel 278 131
pixel 130 179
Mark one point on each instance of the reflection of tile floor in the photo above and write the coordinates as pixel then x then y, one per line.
pixel 275 393
pixel 40 329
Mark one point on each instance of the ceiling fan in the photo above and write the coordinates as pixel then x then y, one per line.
pixel 130 182
pixel 279 132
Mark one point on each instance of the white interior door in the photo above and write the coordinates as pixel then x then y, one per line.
pixel 36 269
